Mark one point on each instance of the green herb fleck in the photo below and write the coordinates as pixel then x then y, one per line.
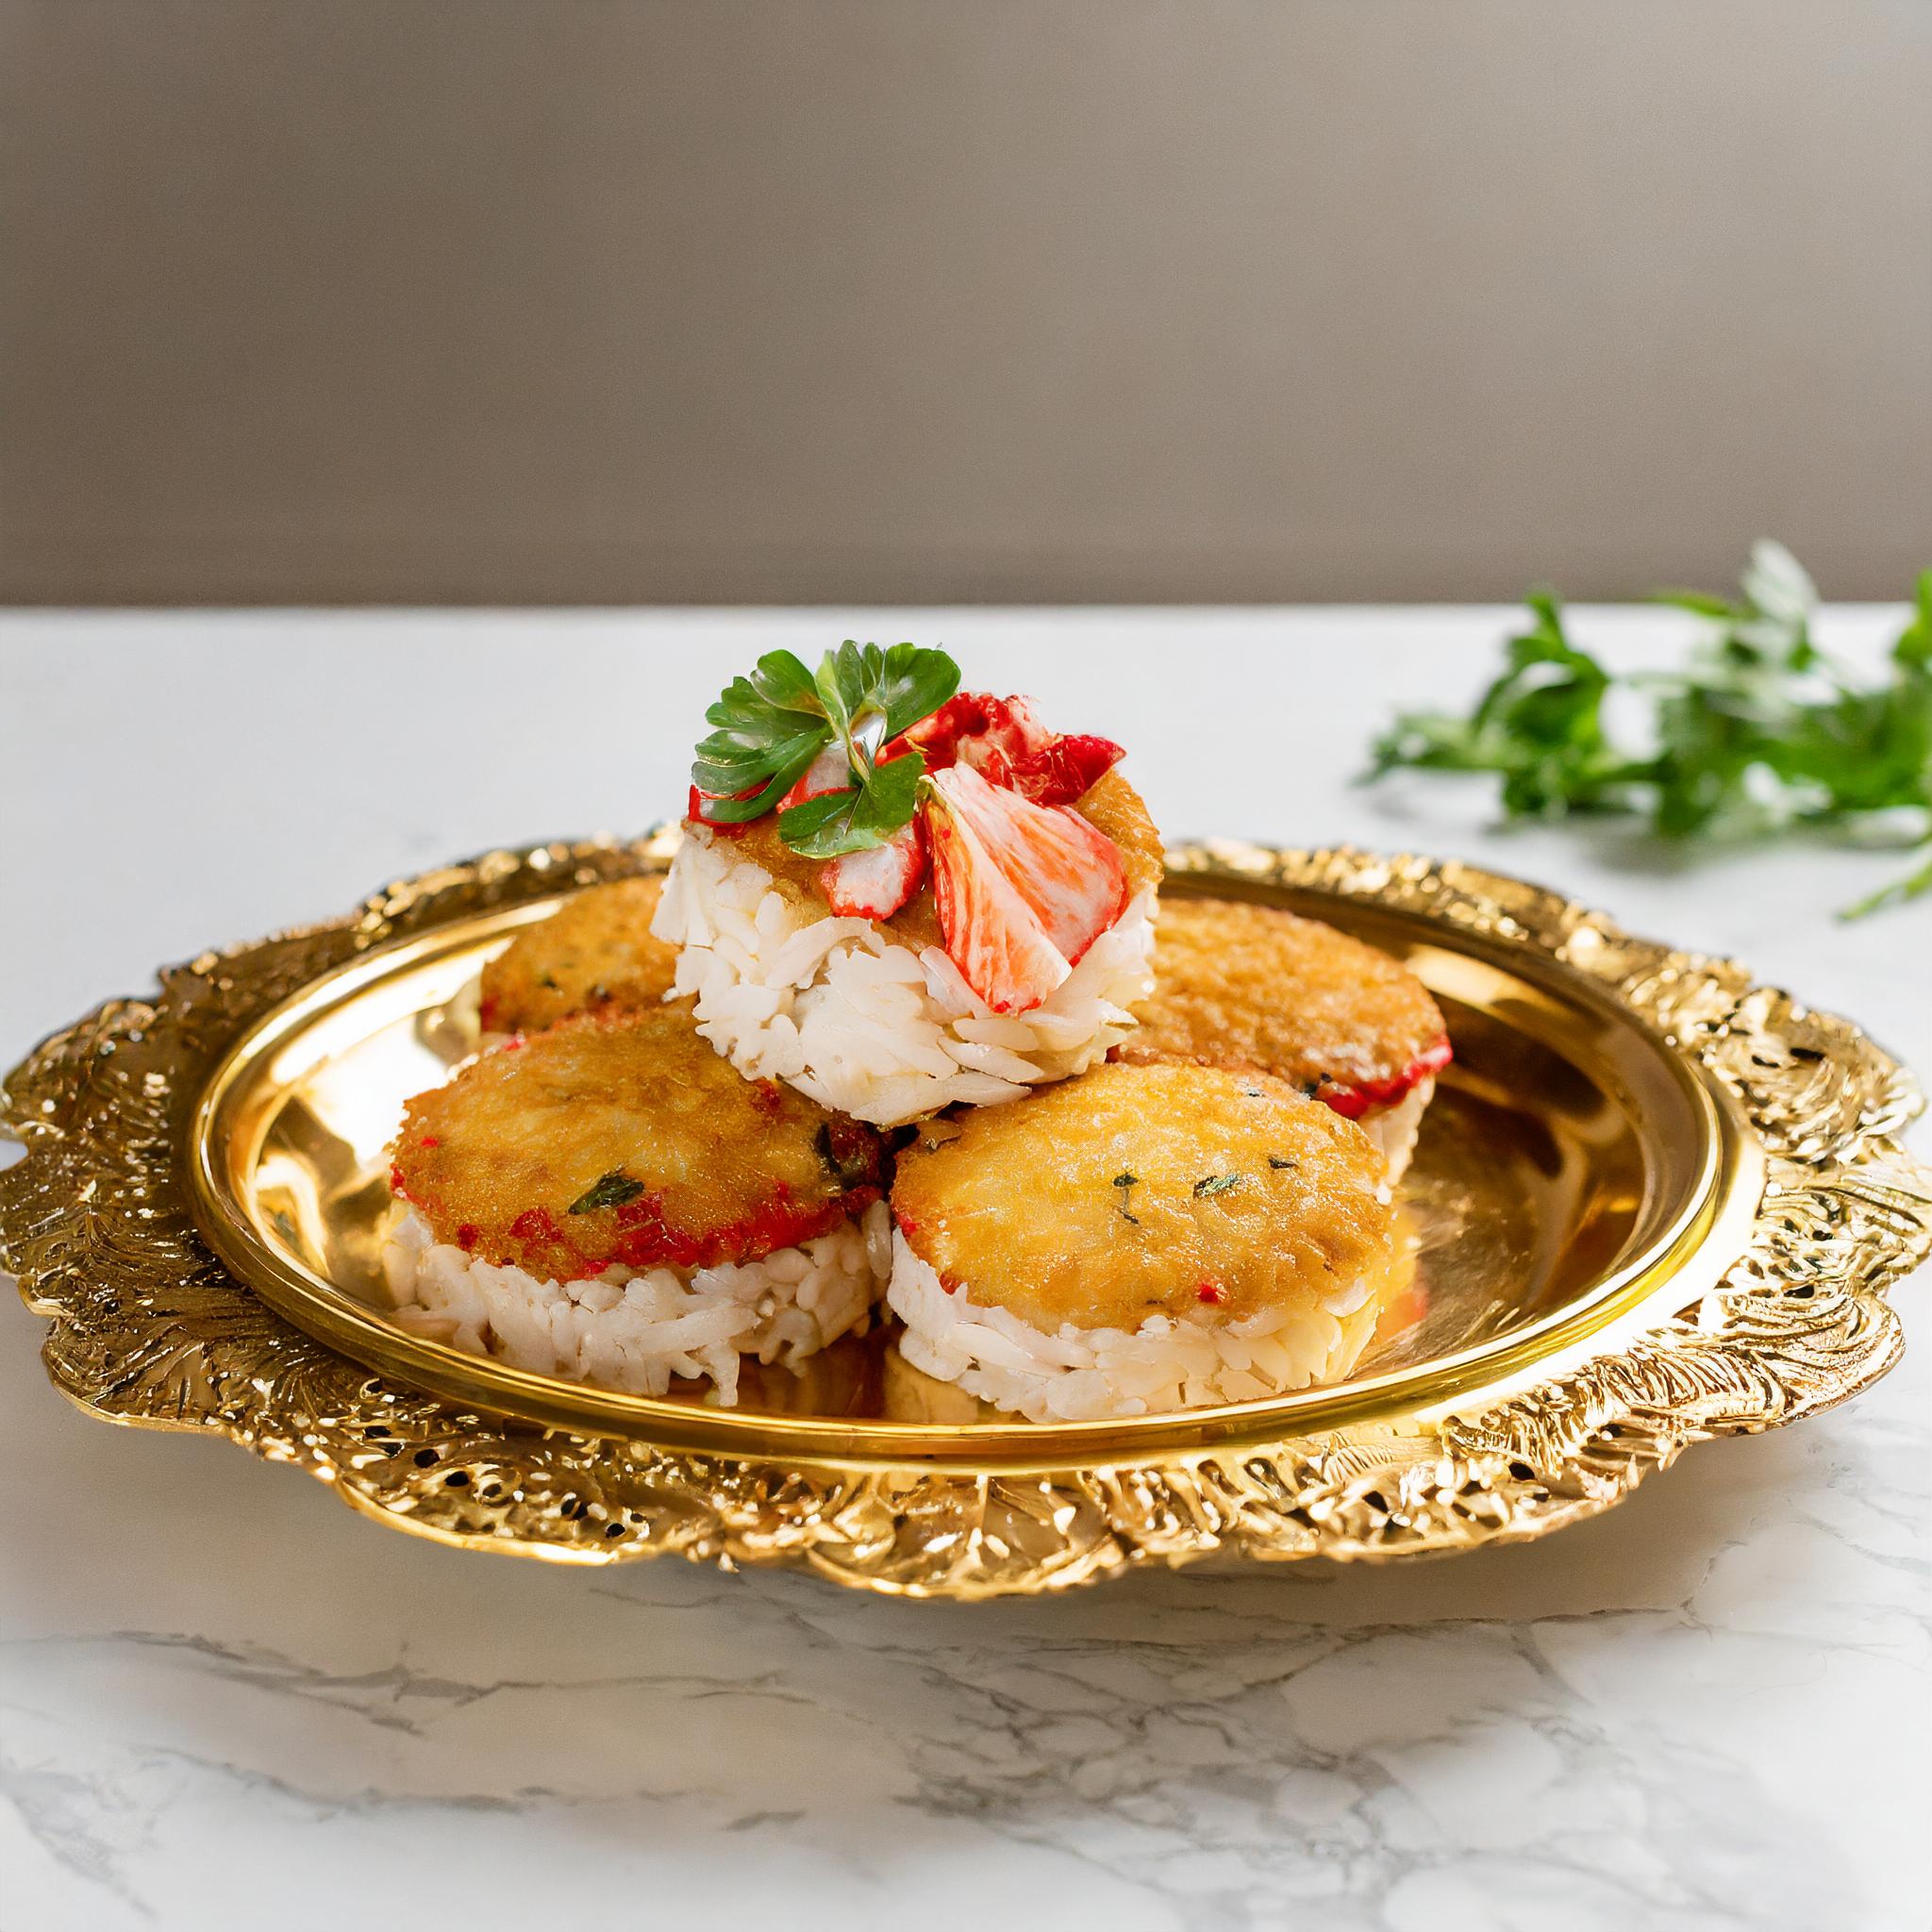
pixel 1214 1184
pixel 1276 1161
pixel 1758 731
pixel 1127 1182
pixel 611 1191
pixel 549 984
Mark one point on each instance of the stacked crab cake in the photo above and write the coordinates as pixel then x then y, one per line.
pixel 899 906
pixel 1141 1238
pixel 1250 987
pixel 924 899
pixel 609 1201
pixel 899 897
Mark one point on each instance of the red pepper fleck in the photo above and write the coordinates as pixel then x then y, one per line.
pixel 639 1236
pixel 534 1224
pixel 1352 1100
pixel 1211 1293
pixel 430 1141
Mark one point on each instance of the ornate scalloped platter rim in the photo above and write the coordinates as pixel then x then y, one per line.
pixel 1689 1236
pixel 149 1328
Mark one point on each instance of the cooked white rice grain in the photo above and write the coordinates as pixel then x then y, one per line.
pixel 1393 1129
pixel 1082 1375
pixel 635 1329
pixel 863 1023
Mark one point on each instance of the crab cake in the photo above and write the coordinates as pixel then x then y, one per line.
pixel 607 1200
pixel 993 937
pixel 594 951
pixel 1246 986
pixel 1140 1239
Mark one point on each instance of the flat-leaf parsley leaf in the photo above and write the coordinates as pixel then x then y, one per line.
pixel 769 726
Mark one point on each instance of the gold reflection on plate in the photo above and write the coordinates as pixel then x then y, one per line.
pixel 1567 1157
pixel 1600 1272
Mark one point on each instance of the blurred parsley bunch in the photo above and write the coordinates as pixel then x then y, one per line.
pixel 1759 728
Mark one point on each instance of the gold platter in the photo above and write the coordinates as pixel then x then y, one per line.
pixel 1653 1203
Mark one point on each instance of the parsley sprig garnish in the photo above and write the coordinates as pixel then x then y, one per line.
pixel 1759 728
pixel 769 726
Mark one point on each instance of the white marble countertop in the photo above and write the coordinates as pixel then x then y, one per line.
pixel 226 1700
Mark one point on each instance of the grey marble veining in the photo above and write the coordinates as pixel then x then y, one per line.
pixel 225 1700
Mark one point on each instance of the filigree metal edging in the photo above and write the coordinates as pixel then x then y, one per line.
pixel 147 1328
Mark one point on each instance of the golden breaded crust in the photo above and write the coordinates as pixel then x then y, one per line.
pixel 595 950
pixel 626 1138
pixel 1110 805
pixel 1135 1191
pixel 1251 986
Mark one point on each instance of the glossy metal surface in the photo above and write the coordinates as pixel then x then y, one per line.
pixel 1568 1166
pixel 1656 1203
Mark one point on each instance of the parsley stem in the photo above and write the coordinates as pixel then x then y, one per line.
pixel 1911 887
pixel 1758 730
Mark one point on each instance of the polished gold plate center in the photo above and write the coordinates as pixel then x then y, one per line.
pixel 1568 1167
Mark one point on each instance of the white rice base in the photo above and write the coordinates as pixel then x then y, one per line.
pixel 1393 1129
pixel 1084 1375
pixel 861 1024
pixel 635 1329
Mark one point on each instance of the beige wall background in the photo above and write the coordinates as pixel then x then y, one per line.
pixel 642 300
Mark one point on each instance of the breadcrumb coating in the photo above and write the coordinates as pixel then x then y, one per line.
pixel 1136 1191
pixel 624 1139
pixel 594 951
pixel 1237 984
